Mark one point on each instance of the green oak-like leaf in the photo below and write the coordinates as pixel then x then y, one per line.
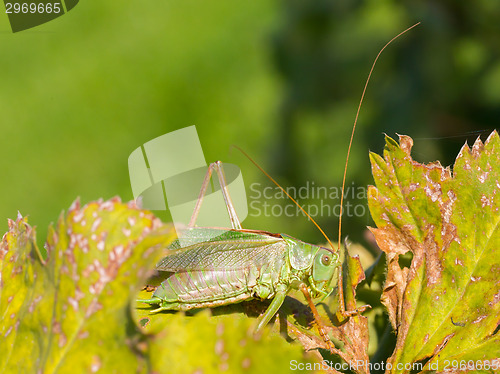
pixel 70 312
pixel 445 307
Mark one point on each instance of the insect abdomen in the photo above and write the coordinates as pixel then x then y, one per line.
pixel 197 289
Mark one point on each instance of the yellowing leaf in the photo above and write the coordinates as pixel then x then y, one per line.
pixel 70 313
pixel 212 345
pixel 445 308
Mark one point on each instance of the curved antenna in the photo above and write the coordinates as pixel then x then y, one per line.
pixel 348 152
pixel 286 193
pixel 356 121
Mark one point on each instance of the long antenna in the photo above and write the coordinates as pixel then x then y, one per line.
pixel 356 121
pixel 284 191
pixel 348 151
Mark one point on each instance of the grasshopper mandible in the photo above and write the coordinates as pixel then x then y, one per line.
pixel 238 264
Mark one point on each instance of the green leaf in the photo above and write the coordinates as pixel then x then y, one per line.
pixel 446 305
pixel 71 313
pixel 211 345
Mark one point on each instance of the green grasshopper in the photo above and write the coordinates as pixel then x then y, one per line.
pixel 238 264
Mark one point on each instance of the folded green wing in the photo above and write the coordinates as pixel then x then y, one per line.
pixel 230 250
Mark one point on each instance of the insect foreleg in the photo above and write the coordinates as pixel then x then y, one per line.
pixel 318 291
pixel 278 299
pixel 322 332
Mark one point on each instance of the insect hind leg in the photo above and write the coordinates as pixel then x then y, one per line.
pixel 219 170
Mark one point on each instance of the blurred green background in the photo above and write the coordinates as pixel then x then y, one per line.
pixel 280 79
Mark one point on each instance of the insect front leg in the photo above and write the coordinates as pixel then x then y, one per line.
pixel 312 284
pixel 317 319
pixel 217 166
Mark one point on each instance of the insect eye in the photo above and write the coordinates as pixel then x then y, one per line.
pixel 325 260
